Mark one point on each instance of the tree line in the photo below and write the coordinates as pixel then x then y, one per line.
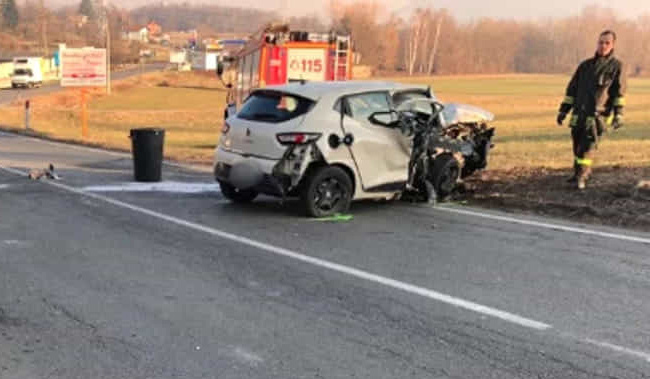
pixel 433 41
pixel 428 41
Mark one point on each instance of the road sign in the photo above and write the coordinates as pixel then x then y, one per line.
pixel 83 67
pixel 306 64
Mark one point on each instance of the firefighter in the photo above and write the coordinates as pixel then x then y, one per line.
pixel 596 94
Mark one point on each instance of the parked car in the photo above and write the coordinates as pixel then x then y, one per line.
pixel 324 143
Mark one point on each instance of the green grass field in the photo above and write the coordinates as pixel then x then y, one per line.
pixel 526 107
pixel 188 106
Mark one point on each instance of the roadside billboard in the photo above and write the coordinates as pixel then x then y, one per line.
pixel 83 67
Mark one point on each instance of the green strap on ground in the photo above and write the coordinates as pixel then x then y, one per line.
pixel 336 218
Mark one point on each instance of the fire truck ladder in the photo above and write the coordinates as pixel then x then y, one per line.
pixel 341 60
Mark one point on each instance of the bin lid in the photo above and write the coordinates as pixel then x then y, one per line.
pixel 147 131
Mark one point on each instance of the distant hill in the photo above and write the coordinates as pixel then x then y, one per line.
pixel 185 17
pixel 218 18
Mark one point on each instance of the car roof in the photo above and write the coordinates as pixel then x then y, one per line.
pixel 318 90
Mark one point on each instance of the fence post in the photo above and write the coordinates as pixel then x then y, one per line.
pixel 27 106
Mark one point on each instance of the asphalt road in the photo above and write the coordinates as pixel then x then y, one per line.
pixel 101 279
pixel 8 95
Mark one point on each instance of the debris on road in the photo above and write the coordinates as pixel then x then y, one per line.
pixel 642 190
pixel 336 218
pixel 47 173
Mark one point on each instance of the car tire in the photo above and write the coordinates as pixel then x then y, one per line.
pixel 14 86
pixel 444 175
pixel 326 192
pixel 236 195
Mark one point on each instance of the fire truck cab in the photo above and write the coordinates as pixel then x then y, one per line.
pixel 276 55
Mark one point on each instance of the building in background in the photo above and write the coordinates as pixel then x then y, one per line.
pixel 138 33
pixel 217 50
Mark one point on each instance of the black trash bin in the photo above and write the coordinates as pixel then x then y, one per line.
pixel 147 147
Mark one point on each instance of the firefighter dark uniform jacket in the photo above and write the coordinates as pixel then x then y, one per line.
pixel 596 89
pixel 596 94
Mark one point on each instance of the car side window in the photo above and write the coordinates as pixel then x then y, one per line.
pixel 363 105
pixel 412 101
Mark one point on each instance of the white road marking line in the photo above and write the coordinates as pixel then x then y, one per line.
pixel 18 243
pixel 409 288
pixel 4 186
pixel 620 349
pixel 545 225
pixel 357 273
pixel 167 186
pixel 248 357
pixel 14 171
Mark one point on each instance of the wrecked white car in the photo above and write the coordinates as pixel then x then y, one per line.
pixel 330 143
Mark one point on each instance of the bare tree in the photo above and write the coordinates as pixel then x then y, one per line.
pixel 434 49
pixel 417 29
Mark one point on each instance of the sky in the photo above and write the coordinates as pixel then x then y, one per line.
pixel 472 9
pixel 464 10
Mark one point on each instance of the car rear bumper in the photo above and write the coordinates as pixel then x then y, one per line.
pixel 230 166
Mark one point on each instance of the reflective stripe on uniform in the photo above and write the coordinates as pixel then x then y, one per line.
pixel 610 119
pixel 584 162
pixel 619 102
pixel 575 117
pixel 569 100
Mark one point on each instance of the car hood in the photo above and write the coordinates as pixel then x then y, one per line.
pixel 455 113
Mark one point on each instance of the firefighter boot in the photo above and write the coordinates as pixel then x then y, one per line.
pixel 585 174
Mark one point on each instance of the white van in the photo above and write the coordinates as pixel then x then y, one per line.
pixel 27 73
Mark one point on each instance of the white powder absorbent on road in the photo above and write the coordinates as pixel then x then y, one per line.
pixel 173 187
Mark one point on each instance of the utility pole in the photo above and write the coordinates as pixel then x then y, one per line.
pixel 43 17
pixel 107 29
pixel 108 56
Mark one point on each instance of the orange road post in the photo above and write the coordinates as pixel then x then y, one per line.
pixel 84 113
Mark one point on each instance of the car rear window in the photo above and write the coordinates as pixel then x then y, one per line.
pixel 274 107
pixel 21 71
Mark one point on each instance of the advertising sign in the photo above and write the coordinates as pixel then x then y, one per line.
pixel 306 64
pixel 83 67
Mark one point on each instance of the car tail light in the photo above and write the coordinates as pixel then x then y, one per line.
pixel 297 138
pixel 225 128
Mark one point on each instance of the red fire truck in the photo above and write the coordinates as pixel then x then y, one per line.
pixel 277 55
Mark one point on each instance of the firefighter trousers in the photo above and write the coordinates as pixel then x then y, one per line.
pixel 584 138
